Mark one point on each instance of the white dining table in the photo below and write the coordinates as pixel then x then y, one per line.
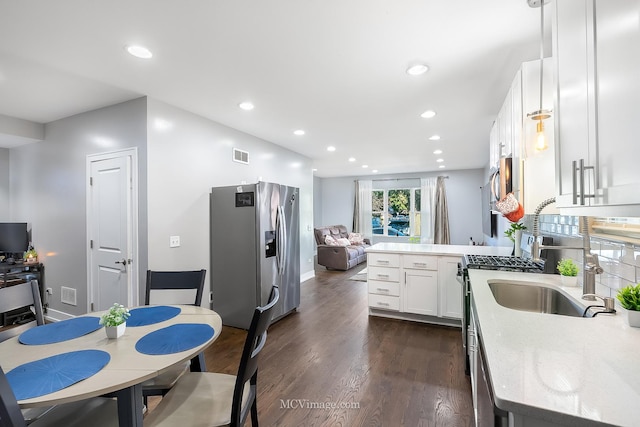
pixel 126 369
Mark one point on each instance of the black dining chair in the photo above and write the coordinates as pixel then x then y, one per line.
pixel 214 399
pixel 13 298
pixel 16 297
pixel 173 287
pixel 96 412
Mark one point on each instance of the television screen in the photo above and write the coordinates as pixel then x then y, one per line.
pixel 13 237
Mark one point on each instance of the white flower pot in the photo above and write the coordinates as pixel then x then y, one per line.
pixel 517 245
pixel 115 331
pixel 633 318
pixel 569 280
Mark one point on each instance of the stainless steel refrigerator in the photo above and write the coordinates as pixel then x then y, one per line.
pixel 255 244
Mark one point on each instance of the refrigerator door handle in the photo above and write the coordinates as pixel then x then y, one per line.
pixel 282 244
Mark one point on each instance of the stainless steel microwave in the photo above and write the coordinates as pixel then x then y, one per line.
pixel 501 179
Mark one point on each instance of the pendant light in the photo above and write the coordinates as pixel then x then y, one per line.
pixel 540 115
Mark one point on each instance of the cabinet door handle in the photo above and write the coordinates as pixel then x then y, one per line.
pixel 383 261
pixel 382 289
pixel 420 264
pixel 581 182
pixel 383 276
pixel 386 304
pixel 575 182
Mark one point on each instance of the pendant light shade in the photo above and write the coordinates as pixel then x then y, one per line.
pixel 540 115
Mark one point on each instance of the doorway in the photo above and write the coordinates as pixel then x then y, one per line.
pixel 112 229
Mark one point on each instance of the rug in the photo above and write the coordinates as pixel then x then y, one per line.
pixel 361 276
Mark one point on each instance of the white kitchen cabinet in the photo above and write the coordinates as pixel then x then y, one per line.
pixel 494 145
pixel 597 106
pixel 450 290
pixel 421 292
pixel 415 287
pixel 383 281
pixel 538 167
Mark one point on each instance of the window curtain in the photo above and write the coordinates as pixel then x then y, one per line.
pixel 427 217
pixel 441 215
pixel 362 209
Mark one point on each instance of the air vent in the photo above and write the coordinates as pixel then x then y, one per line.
pixel 68 296
pixel 240 156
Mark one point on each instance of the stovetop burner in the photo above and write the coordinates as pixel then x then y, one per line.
pixel 504 263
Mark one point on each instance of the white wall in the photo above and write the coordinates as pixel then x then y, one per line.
pixel 48 190
pixel 188 155
pixel 463 199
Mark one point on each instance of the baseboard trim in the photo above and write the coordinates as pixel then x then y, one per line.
pixel 56 316
pixel 308 275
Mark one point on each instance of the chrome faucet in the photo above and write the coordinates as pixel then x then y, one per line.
pixel 590 263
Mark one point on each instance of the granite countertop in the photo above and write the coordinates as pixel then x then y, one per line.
pixel 567 370
pixel 431 249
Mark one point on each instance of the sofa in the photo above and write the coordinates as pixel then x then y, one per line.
pixel 341 253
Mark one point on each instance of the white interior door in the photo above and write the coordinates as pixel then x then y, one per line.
pixel 111 231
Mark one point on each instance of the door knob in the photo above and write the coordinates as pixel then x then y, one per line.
pixel 123 262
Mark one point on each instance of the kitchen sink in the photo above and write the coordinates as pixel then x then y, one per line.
pixel 524 296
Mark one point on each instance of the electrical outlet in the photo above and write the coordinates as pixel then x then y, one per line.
pixel 174 241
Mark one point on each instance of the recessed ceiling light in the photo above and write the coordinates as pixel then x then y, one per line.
pixel 246 106
pixel 314 170
pixel 375 171
pixel 441 166
pixel 440 160
pixel 352 159
pixel 428 114
pixel 139 51
pixel 434 138
pixel 331 148
pixel 365 166
pixel 437 152
pixel 298 132
pixel 418 69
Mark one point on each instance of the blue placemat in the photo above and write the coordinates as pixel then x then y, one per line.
pixel 54 373
pixel 60 331
pixel 149 315
pixel 174 338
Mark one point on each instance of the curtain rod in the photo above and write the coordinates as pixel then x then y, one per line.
pixel 404 179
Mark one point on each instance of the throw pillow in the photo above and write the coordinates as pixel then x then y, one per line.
pixel 343 241
pixel 328 240
pixel 356 238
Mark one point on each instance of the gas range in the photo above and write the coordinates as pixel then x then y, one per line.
pixel 503 263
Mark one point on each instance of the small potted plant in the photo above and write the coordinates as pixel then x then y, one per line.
pixel 568 271
pixel 31 256
pixel 115 320
pixel 629 298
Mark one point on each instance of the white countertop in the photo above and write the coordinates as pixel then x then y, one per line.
pixel 567 370
pixel 419 248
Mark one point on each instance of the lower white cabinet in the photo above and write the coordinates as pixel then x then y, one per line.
pixel 421 292
pixel 450 290
pixel 415 287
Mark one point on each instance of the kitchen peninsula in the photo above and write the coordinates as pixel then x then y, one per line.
pixel 417 282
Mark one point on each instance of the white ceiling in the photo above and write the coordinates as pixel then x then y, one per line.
pixel 335 68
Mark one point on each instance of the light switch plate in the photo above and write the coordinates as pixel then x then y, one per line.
pixel 174 241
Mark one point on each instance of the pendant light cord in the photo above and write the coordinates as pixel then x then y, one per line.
pixel 541 49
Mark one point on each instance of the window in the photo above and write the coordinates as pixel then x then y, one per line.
pixel 396 212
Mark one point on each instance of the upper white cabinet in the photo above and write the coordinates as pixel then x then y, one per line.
pixel 538 167
pixel 596 44
pixel 513 135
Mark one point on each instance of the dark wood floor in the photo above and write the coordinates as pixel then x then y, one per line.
pixel 330 352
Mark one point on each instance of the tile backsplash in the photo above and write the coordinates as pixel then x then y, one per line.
pixel 620 261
